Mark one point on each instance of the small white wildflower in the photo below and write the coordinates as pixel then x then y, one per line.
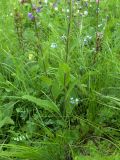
pixel 11 14
pixel 67 10
pixel 85 41
pixel 78 11
pixel 93 49
pixel 72 101
pixel 85 13
pixel 46 1
pixel 63 10
pixel 76 100
pixel 56 8
pixel 20 138
pixel 63 37
pixel 99 25
pixel 23 137
pixel 53 45
pixel 89 37
pixel 14 139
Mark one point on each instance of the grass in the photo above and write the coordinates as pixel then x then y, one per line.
pixel 59 81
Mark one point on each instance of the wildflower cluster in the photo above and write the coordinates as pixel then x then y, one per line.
pixel 87 40
pixel 35 8
pixel 20 138
pixel 74 100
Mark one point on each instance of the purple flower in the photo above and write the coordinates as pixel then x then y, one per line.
pixel 38 10
pixel 30 15
pixel 54 5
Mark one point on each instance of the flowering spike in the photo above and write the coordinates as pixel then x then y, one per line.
pixel 30 15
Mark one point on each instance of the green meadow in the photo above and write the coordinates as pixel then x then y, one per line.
pixel 60 80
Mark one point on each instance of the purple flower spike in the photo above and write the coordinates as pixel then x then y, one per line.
pixel 54 5
pixel 38 10
pixel 30 15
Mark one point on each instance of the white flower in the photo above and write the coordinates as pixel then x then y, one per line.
pixel 78 11
pixel 67 10
pixel 85 41
pixel 14 139
pixel 20 138
pixel 99 25
pixel 89 37
pixel 53 45
pixel 56 8
pixel 63 37
pixel 85 13
pixel 46 1
pixel 76 100
pixel 11 14
pixel 17 139
pixel 23 137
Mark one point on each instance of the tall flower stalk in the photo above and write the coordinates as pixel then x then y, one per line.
pixel 68 31
pixel 97 23
pixel 97 48
pixel 38 45
pixel 19 28
pixel 68 155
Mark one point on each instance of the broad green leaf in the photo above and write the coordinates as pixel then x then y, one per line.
pixel 63 73
pixel 56 89
pixel 45 104
pixel 46 80
pixel 6 120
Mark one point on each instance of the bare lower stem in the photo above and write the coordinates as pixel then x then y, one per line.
pixel 97 37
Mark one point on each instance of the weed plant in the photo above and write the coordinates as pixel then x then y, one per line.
pixel 59 80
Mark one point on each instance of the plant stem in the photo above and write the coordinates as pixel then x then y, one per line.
pixel 97 22
pixel 68 31
pixel 39 47
pixel 19 28
pixel 97 36
pixel 67 52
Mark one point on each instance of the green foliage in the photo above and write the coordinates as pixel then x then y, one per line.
pixel 59 80
pixel 47 105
